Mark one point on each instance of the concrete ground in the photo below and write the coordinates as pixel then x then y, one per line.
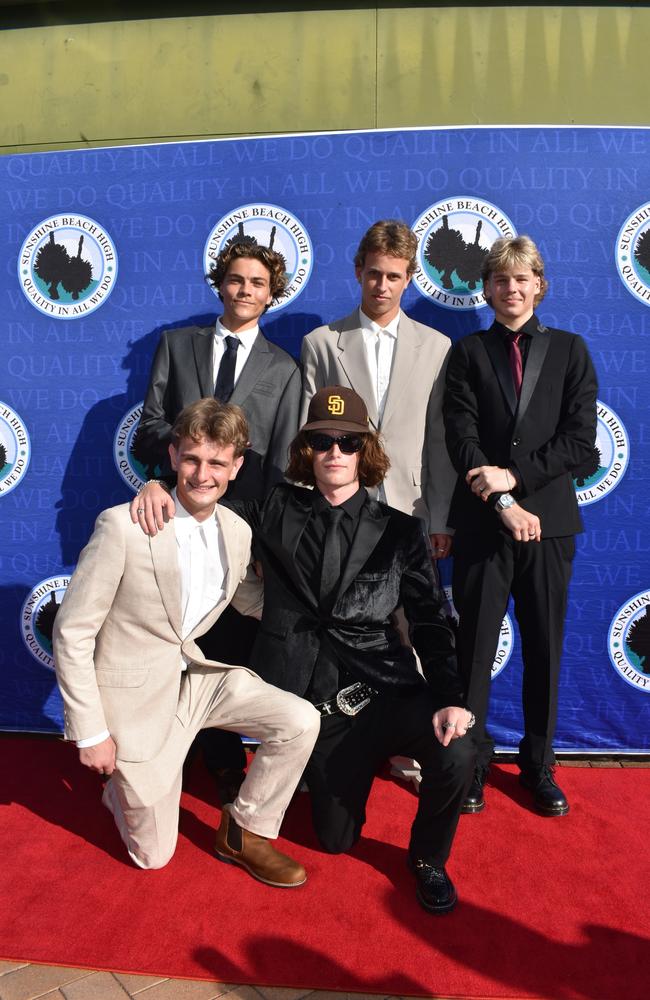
pixel 25 981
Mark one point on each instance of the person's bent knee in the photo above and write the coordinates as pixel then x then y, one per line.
pixel 151 860
pixel 337 843
pixel 305 719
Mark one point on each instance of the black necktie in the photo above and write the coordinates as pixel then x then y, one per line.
pixel 226 375
pixel 331 566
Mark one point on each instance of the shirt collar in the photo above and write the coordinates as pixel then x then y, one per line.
pixel 369 326
pixel 185 524
pixel 530 328
pixel 351 507
pixel 247 337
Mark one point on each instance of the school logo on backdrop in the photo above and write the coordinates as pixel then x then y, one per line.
pixel 131 464
pixel 14 449
pixel 633 253
pixel 269 226
pixel 454 238
pixel 67 266
pixel 629 641
pixel 37 617
pixel 606 467
pixel 506 635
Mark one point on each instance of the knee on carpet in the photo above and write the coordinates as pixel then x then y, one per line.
pixel 337 842
pixel 150 860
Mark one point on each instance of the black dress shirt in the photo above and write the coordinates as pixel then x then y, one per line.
pixel 328 677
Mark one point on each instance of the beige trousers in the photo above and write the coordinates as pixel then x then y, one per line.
pixel 144 797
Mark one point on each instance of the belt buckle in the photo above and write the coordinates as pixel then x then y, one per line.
pixel 352 699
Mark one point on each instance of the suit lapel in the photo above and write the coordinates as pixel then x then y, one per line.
pixel 372 524
pixel 539 344
pixel 352 358
pixel 256 364
pixel 405 360
pixel 164 556
pixel 202 347
pixel 497 352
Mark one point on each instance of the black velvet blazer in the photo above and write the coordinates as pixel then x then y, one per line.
pixel 388 565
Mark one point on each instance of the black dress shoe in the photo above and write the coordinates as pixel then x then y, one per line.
pixel 474 801
pixel 549 797
pixel 434 889
pixel 228 781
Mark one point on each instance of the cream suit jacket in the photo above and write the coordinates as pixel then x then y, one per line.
pixel 117 635
pixel 421 478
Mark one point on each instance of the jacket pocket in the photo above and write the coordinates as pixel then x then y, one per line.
pixel 115 677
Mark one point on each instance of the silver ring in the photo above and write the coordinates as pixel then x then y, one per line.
pixel 449 725
pixel 140 510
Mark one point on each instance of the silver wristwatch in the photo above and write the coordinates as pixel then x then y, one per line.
pixel 505 500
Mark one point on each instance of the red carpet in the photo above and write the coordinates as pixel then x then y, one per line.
pixel 553 908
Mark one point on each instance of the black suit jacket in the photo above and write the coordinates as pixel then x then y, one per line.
pixel 549 432
pixel 388 565
pixel 268 390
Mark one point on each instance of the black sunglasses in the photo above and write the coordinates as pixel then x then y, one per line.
pixel 349 444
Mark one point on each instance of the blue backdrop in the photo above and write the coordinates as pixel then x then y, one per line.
pixel 106 248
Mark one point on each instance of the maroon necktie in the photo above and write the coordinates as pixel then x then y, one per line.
pixel 516 364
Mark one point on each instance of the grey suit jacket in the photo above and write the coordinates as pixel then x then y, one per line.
pixel 421 478
pixel 268 391
pixel 118 643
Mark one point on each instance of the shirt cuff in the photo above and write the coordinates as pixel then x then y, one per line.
pixel 92 741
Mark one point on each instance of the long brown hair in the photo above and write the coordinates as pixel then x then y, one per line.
pixel 373 460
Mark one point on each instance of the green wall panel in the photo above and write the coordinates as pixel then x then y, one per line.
pixel 157 79
pixel 513 65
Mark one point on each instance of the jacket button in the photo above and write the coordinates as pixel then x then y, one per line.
pixel 515 442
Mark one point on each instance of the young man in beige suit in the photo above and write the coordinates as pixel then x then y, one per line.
pixel 135 685
pixel 397 366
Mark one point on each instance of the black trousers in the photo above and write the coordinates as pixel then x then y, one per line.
pixel 345 759
pixel 486 571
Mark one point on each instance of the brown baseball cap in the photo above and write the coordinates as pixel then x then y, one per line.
pixel 337 407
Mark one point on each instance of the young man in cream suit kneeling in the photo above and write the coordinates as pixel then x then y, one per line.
pixel 135 685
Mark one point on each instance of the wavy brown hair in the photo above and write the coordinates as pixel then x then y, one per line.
pixel 373 460
pixel 220 423
pixel 518 251
pixel 392 237
pixel 272 261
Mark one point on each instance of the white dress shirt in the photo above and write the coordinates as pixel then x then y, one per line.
pixel 246 340
pixel 201 561
pixel 379 342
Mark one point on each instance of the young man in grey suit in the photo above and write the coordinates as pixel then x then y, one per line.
pixel 137 688
pixel 398 367
pixel 233 361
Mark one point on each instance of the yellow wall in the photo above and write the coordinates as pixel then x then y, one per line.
pixel 241 74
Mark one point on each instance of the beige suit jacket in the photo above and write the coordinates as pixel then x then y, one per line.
pixel 117 636
pixel 421 478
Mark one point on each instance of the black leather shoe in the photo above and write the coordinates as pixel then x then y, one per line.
pixel 434 889
pixel 229 781
pixel 474 801
pixel 549 797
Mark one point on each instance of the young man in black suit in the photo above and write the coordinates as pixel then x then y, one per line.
pixel 520 415
pixel 336 565
pixel 234 362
